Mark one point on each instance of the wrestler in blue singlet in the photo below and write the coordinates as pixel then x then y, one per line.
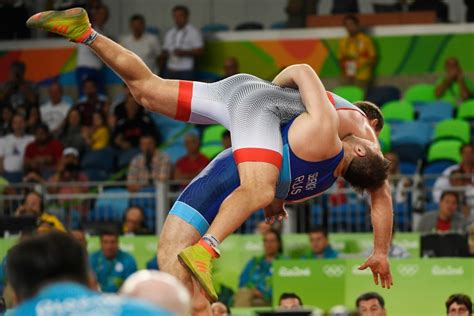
pixel 200 201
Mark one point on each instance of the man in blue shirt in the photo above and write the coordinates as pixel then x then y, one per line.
pixel 49 276
pixel 320 247
pixel 110 264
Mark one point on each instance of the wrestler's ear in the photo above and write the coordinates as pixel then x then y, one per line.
pixel 373 123
pixel 360 151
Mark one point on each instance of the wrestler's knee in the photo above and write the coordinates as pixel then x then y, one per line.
pixel 260 195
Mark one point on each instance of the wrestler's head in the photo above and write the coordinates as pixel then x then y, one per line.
pixel 366 168
pixel 373 113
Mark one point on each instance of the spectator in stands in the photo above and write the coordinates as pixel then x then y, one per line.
pixel 111 265
pixel 54 112
pixel 88 64
pixel 466 167
pixel 183 43
pixel 98 135
pixel 356 54
pixel 34 206
pixel 6 119
pixel 44 153
pixel 257 274
pixel 320 247
pixel 58 274
pixel 220 309
pixel 290 301
pixel 371 304
pixel 33 119
pixel 454 84
pixel 459 305
pixel 91 102
pixel 160 289
pixel 438 6
pixel 132 123
pixel 145 45
pixel 298 10
pixel 18 91
pixel 69 170
pixel 446 219
pixel 71 133
pixel 134 221
pixel 345 6
pixel 149 166
pixel 231 67
pixel 226 141
pixel 188 166
pixel 12 149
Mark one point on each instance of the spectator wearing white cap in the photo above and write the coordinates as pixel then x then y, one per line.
pixel 159 288
pixel 68 171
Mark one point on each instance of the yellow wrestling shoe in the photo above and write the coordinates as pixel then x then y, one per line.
pixel 198 260
pixel 73 24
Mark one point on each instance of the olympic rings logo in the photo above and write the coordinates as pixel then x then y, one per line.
pixel 408 270
pixel 334 270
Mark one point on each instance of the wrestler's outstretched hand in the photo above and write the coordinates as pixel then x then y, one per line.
pixel 380 268
pixel 275 211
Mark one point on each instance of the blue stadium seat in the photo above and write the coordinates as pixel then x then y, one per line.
pixel 316 214
pixel 437 167
pixel 435 112
pixel 144 202
pixel 418 133
pixel 150 214
pixel 278 25
pixel 153 30
pixel 214 27
pixel 167 127
pixel 410 152
pixel 249 26
pixel 407 168
pixel 110 205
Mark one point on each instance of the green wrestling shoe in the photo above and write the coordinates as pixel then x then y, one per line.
pixel 198 260
pixel 73 24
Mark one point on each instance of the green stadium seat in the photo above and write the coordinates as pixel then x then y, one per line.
pixel 398 111
pixel 455 129
pixel 213 135
pixel 211 150
pixel 445 150
pixel 420 93
pixel 466 110
pixel 350 93
pixel 384 137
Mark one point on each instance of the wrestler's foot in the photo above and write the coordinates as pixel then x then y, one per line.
pixel 73 24
pixel 198 260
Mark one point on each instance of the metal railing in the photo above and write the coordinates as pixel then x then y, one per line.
pixel 338 209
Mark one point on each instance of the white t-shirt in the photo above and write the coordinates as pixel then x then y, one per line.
pixel 12 149
pixel 54 115
pixel 186 38
pixel 147 47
